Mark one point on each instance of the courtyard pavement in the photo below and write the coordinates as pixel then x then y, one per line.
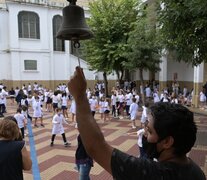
pixel 57 162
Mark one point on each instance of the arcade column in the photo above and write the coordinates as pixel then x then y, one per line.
pixel 198 83
pixel 163 71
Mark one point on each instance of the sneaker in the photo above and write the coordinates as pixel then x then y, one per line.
pixel 42 125
pixel 66 144
pixel 76 168
pixel 51 144
pixel 134 127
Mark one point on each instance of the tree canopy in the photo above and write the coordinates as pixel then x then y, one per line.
pixel 110 22
pixel 183 24
pixel 143 43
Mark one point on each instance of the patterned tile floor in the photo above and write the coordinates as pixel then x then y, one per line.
pixel 57 162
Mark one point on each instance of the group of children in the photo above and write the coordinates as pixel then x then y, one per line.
pixel 120 102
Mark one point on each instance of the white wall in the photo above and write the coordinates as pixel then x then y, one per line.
pixel 4 36
pixel 185 72
pixel 51 65
pixel 136 77
pixel 4 45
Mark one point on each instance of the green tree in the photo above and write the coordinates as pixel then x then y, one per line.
pixel 183 25
pixel 110 22
pixel 143 43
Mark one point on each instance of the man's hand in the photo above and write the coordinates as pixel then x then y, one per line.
pixel 77 84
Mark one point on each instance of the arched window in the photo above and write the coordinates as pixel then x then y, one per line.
pixel 28 23
pixel 58 44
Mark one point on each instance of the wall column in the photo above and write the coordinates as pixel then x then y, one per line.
pixel 163 71
pixel 198 83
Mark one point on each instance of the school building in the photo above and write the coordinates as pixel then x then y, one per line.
pixel 30 51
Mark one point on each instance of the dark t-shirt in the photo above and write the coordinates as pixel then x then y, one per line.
pixel 11 160
pixel 81 155
pixel 126 167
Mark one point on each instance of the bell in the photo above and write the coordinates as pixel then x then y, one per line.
pixel 74 25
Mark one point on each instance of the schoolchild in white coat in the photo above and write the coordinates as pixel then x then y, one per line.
pixel 21 120
pixel 93 105
pixel 73 112
pixel 57 122
pixel 101 107
pixel 37 114
pixel 106 109
pixel 64 102
pixel 156 96
pixel 144 116
pixel 133 112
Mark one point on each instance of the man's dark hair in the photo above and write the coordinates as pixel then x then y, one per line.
pixel 177 121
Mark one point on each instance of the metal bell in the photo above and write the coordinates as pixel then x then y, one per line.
pixel 74 25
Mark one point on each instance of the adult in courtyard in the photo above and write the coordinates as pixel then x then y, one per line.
pixel 14 156
pixel 171 133
pixel 83 161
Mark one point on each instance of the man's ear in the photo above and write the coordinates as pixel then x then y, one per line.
pixel 168 142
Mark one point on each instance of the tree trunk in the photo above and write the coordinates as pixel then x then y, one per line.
pixel 122 75
pixel 106 84
pixel 127 77
pixel 118 75
pixel 142 83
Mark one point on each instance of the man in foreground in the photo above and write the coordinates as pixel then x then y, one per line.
pixel 171 134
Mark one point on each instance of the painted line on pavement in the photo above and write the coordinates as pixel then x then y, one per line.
pixel 35 167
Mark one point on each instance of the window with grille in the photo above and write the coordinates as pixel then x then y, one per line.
pixel 28 25
pixel 30 65
pixel 58 44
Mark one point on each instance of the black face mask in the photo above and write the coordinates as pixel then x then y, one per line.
pixel 151 149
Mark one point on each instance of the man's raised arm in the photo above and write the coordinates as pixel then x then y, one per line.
pixel 90 133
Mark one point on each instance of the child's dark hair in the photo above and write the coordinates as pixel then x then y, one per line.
pixel 58 109
pixel 133 99
pixel 56 93
pixel 64 94
pixel 146 104
pixel 19 110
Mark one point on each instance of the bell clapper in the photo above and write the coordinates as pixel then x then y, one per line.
pixel 76 45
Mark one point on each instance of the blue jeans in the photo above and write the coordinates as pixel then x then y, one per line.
pixel 84 171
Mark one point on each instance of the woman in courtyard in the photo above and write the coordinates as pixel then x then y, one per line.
pixel 14 156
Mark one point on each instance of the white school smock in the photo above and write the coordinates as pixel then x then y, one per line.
pixel 156 97
pixel 93 104
pixel 106 106
pixel 140 134
pixel 202 97
pixel 144 115
pixel 133 111
pixel 57 122
pixel 121 98
pixel 64 101
pixel 20 120
pixel 128 99
pixel 101 106
pixel 73 107
pixel 37 109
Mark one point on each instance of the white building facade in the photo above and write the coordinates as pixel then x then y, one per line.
pixel 30 52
